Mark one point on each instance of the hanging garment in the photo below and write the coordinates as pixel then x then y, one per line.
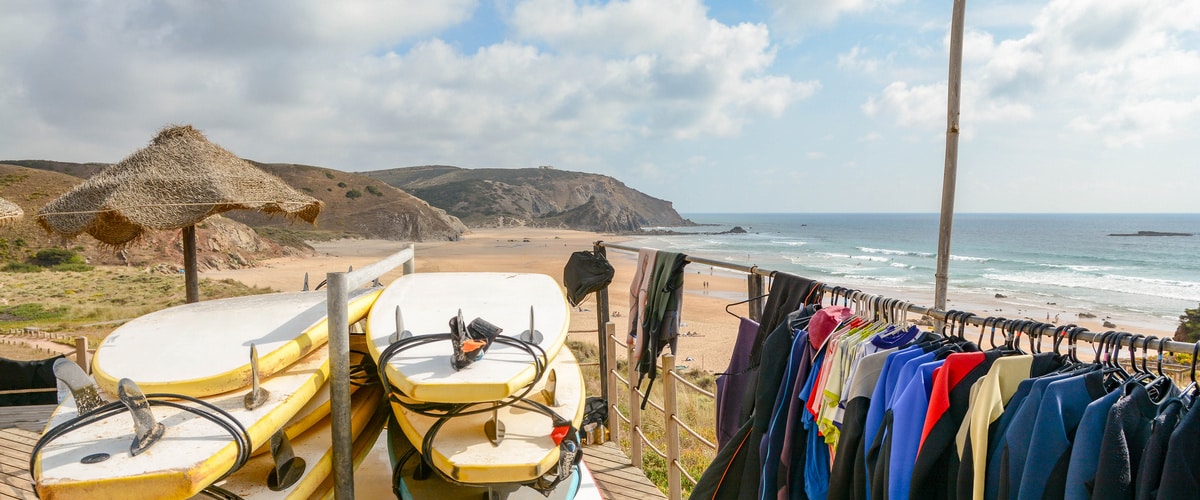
pixel 586 272
pixel 1151 469
pixel 880 454
pixel 937 462
pixel 908 418
pixel 847 479
pixel 1085 453
pixel 1125 437
pixel 816 453
pixel 1052 436
pixel 776 466
pixel 1007 462
pixel 731 385
pixel 734 472
pixel 992 393
pixel 20 375
pixel 788 293
pixel 1181 468
pixel 638 293
pixel 660 319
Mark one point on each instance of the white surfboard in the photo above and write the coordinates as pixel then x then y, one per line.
pixel 203 348
pixel 463 452
pixel 192 453
pixel 367 418
pixel 427 301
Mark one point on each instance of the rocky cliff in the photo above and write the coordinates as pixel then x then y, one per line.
pixel 543 197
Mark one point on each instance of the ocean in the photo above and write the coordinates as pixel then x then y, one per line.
pixel 1051 262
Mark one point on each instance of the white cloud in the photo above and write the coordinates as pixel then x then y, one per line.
pixel 858 60
pixel 794 14
pixel 367 83
pixel 690 75
pixel 814 155
pixel 1114 68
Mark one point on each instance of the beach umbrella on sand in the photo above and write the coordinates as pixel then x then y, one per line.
pixel 175 182
pixel 9 212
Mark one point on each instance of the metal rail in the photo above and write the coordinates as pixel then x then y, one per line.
pixel 1030 328
pixel 337 292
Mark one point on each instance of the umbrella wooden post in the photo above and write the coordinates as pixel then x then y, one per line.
pixel 191 280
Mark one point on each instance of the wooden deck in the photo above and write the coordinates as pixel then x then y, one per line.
pixel 615 477
pixel 20 427
pixel 15 446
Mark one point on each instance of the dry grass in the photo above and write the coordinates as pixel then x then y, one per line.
pixel 94 302
pixel 697 411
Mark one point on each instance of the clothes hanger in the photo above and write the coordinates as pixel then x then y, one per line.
pixel 740 302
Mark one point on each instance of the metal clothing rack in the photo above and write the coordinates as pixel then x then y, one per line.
pixel 755 290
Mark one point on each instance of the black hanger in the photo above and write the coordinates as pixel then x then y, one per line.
pixel 727 306
pixel 1161 342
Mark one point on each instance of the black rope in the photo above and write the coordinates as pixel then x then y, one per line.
pixel 221 418
pixel 443 412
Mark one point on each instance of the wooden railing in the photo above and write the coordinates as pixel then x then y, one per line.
pixel 669 410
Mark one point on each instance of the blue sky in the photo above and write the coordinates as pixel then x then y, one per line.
pixel 754 106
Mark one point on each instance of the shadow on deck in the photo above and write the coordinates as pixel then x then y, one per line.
pixel 615 477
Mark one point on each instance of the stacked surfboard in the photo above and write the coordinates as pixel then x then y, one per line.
pixel 498 424
pixel 207 413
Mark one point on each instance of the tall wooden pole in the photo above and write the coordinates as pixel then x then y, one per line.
pixel 191 280
pixel 949 177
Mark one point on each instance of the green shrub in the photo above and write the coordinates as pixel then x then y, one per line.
pixel 353 193
pixel 71 266
pixel 30 312
pixel 329 174
pixel 1189 326
pixel 21 267
pixel 374 190
pixel 341 184
pixel 54 256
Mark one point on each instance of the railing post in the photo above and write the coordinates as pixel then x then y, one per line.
pixel 81 353
pixel 674 481
pixel 602 318
pixel 339 385
pixel 410 265
pixel 610 392
pixel 635 411
pixel 754 291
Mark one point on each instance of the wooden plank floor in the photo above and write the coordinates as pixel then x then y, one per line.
pixel 20 427
pixel 15 446
pixel 615 477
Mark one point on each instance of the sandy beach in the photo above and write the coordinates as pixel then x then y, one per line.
pixel 711 331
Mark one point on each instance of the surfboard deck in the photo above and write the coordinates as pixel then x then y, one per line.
pixel 367 419
pixel 192 453
pixel 462 451
pixel 316 409
pixel 161 351
pixel 427 301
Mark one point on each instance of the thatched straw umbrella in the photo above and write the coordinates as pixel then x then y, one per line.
pixel 174 183
pixel 9 212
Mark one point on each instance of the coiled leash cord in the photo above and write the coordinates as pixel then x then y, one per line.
pixel 210 412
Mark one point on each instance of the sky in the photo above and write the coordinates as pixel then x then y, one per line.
pixel 717 106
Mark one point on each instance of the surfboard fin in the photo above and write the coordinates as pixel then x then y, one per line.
pixel 257 395
pixel 548 390
pixel 288 467
pixel 86 394
pixel 531 336
pixel 494 428
pixel 400 333
pixel 146 431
